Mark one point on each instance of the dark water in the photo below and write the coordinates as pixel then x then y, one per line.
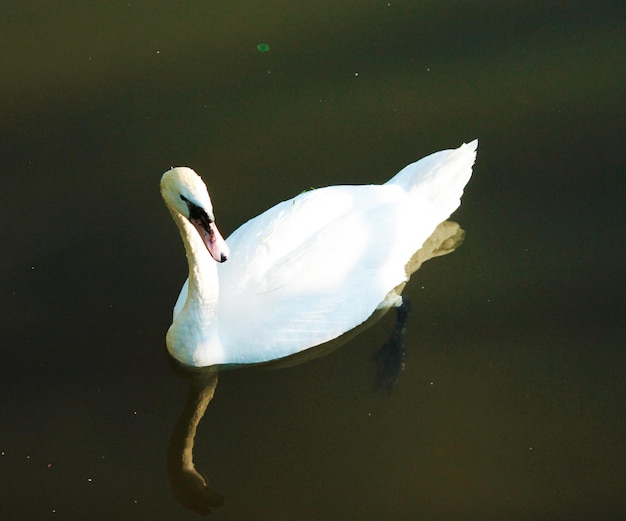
pixel 513 402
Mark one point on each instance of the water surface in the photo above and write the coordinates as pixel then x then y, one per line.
pixel 512 402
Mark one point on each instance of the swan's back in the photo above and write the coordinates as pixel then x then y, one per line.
pixel 311 268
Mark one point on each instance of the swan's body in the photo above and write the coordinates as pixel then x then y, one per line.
pixel 306 270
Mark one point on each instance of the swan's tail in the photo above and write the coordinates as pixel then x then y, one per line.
pixel 440 176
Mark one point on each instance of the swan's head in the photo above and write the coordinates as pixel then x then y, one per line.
pixel 185 194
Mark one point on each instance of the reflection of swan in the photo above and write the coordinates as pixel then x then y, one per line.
pixel 306 270
pixel 188 485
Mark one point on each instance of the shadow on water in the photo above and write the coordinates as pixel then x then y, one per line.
pixel 190 486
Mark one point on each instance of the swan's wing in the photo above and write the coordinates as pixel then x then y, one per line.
pixel 316 266
pixel 312 268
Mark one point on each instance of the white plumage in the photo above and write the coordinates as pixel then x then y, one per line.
pixel 308 269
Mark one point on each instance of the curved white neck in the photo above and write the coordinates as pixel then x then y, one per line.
pixel 193 338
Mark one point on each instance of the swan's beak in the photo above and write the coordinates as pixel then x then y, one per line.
pixel 212 238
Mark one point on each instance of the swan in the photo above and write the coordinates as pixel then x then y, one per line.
pixel 306 270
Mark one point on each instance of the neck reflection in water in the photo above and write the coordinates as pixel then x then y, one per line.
pixel 189 487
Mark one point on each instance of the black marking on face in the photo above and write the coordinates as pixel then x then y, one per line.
pixel 198 215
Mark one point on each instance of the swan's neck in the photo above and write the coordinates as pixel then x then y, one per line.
pixel 203 283
pixel 193 337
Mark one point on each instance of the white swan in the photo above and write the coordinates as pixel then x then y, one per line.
pixel 306 270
